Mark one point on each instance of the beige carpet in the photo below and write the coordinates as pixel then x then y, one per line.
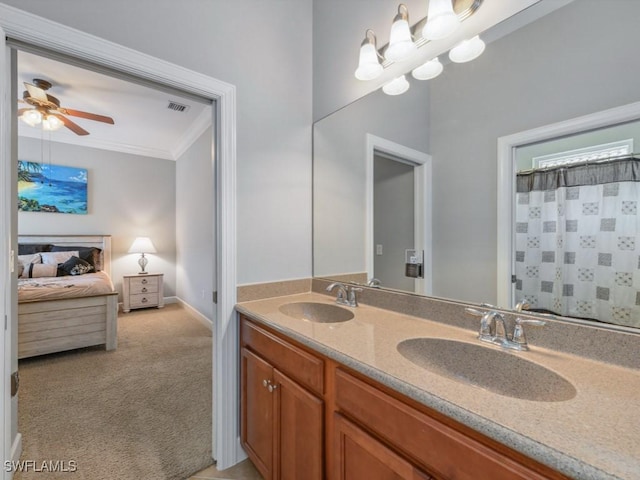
pixel 140 412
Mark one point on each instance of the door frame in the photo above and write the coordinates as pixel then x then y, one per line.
pixel 40 32
pixel 507 146
pixel 421 163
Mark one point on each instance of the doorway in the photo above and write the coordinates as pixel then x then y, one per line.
pixel 32 30
pixel 396 165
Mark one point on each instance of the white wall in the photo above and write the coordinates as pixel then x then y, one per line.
pixel 128 196
pixel 264 48
pixel 195 195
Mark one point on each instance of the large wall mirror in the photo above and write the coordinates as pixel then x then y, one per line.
pixel 575 61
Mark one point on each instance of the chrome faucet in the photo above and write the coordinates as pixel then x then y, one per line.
pixel 346 295
pixel 493 329
pixel 522 305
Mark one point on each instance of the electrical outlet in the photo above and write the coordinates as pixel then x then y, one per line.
pixel 203 294
pixel 379 249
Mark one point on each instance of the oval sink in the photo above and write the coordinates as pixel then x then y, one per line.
pixel 495 370
pixel 316 312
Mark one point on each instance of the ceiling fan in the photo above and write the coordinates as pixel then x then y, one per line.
pixel 46 109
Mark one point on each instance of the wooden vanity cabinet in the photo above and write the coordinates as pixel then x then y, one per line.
pixel 282 412
pixel 320 419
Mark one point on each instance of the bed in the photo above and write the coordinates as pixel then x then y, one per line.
pixel 56 314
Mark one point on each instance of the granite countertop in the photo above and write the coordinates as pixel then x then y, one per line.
pixel 595 435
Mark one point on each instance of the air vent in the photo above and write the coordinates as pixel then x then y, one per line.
pixel 177 107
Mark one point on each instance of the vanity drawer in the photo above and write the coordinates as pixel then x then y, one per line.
pixel 143 285
pixel 143 300
pixel 301 366
pixel 445 452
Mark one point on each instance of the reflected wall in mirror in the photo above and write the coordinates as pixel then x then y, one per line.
pixel 574 61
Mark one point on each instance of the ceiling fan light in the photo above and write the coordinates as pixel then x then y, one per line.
pixel 369 66
pixel 52 123
pixel 442 21
pixel 428 70
pixel 467 50
pixel 31 117
pixel 401 44
pixel 397 86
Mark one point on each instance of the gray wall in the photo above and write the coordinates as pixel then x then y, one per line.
pixel 552 70
pixel 264 49
pixel 195 197
pixel 128 196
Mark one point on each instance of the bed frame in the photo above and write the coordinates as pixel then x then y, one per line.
pixel 51 326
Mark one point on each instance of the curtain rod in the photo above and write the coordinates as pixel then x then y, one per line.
pixel 627 156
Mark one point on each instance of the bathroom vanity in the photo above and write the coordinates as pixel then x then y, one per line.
pixel 323 399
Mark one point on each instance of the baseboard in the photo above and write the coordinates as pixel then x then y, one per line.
pixel 204 320
pixel 171 300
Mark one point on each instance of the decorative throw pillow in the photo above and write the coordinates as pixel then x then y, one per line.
pixel 88 254
pixel 31 248
pixel 36 270
pixel 76 266
pixel 54 258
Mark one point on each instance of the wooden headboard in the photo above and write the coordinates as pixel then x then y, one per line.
pixel 103 242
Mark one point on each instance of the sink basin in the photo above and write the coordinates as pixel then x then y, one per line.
pixel 494 370
pixel 316 312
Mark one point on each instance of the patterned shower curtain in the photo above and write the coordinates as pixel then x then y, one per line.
pixel 578 241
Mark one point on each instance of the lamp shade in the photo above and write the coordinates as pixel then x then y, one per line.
pixel 401 44
pixel 52 123
pixel 369 65
pixel 142 245
pixel 467 50
pixel 428 70
pixel 397 86
pixel 31 117
pixel 442 21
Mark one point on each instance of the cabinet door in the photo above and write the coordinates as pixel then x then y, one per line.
pixel 358 456
pixel 299 426
pixel 257 430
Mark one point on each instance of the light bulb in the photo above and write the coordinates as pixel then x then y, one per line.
pixel 31 117
pixel 368 64
pixel 52 123
pixel 428 70
pixel 442 21
pixel 467 50
pixel 401 44
pixel 397 86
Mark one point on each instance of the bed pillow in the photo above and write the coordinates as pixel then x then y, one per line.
pixel 88 254
pixel 54 258
pixel 36 270
pixel 25 260
pixel 31 248
pixel 75 266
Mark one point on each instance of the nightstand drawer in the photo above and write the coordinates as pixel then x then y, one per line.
pixel 137 284
pixel 143 300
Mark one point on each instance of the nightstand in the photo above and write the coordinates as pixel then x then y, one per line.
pixel 142 291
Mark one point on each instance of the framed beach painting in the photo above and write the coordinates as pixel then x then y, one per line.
pixel 51 188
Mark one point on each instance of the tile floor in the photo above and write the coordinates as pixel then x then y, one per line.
pixel 242 471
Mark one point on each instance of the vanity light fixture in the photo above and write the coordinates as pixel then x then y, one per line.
pixel 467 50
pixel 442 21
pixel 428 70
pixel 369 66
pixel 401 44
pixel 397 86
pixel 444 17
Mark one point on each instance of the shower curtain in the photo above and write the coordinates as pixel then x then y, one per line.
pixel 577 241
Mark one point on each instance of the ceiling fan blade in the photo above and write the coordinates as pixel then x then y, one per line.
pixel 36 92
pixel 88 116
pixel 74 127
